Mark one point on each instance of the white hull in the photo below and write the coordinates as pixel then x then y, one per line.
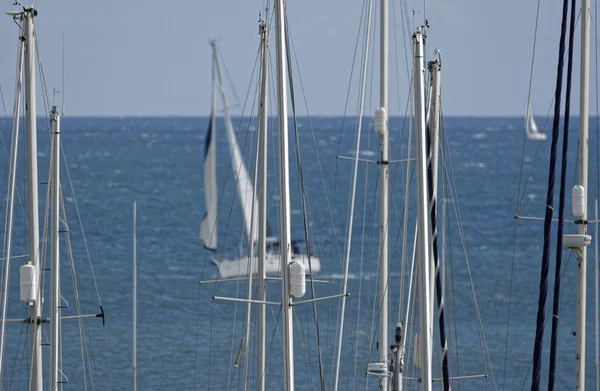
pixel 239 267
pixel 536 136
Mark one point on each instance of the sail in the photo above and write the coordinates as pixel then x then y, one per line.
pixel 208 228
pixel 531 129
pixel 244 186
pixel 532 125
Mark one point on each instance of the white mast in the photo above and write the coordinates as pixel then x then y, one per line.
pixel 55 253
pixel 134 272
pixel 32 195
pixel 284 188
pixel 597 388
pixel 262 204
pixel 381 127
pixel 583 181
pixel 425 320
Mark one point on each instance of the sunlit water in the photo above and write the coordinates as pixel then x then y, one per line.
pixel 185 338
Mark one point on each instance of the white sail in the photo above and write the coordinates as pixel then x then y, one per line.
pixel 208 228
pixel 244 186
pixel 531 129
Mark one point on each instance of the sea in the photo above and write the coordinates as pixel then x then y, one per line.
pixel 187 339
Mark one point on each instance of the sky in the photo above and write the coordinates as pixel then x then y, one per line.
pixel 152 57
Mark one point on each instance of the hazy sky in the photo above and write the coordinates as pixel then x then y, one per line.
pixel 152 57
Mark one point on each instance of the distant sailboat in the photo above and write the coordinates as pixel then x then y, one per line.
pixel 531 129
pixel 246 195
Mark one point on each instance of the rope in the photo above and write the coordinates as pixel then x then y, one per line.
pixel 543 291
pixel 561 207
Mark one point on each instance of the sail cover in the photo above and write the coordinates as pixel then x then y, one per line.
pixel 208 228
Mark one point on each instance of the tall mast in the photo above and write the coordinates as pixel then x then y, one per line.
pixel 134 272
pixel 32 194
pixel 596 319
pixel 262 203
pixel 425 321
pixel 582 180
pixel 381 127
pixel 55 255
pixel 284 188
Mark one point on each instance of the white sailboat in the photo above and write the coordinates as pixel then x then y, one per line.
pixel 246 196
pixel 531 129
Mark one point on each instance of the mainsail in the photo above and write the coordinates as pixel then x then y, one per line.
pixel 244 186
pixel 208 228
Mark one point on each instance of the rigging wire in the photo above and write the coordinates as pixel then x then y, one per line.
pixel 342 307
pixel 303 201
pixel 455 204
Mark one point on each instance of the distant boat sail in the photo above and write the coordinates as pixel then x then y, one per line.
pixel 246 196
pixel 531 129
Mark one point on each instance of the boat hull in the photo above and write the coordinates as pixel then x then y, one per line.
pixel 239 267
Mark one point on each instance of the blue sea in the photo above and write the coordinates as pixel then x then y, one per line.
pixel 187 340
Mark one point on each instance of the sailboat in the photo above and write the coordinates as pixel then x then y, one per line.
pixel 32 272
pixel 531 129
pixel 246 196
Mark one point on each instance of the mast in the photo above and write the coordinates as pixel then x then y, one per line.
pixel 55 253
pixel 32 194
pixel 582 179
pixel 432 172
pixel 381 127
pixel 284 188
pixel 262 203
pixel 134 272
pixel 425 321
pixel 597 387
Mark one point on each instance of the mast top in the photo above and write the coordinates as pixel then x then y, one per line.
pixel 18 15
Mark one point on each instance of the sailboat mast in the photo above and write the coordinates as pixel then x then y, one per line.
pixel 262 203
pixel 32 194
pixel 381 127
pixel 134 272
pixel 284 205
pixel 425 319
pixel 55 253
pixel 596 319
pixel 583 181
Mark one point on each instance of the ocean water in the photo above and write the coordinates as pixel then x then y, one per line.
pixel 187 340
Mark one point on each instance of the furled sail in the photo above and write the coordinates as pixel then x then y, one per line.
pixel 208 228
